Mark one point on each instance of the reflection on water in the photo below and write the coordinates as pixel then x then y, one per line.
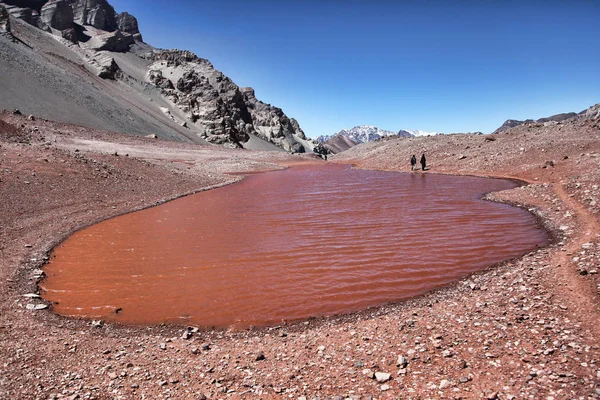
pixel 287 245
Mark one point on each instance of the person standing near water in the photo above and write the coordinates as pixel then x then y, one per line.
pixel 413 162
pixel 423 162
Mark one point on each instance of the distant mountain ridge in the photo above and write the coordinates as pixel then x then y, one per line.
pixel 557 118
pixel 347 138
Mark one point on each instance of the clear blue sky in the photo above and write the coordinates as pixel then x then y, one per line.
pixel 446 66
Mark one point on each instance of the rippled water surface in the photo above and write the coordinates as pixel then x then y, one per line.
pixel 287 245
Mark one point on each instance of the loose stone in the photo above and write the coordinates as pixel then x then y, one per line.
pixel 382 377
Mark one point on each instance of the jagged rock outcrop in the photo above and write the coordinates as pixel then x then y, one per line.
pixel 128 23
pixel 57 14
pixel 110 69
pixel 592 113
pixel 271 123
pixel 112 41
pixel 225 113
pixel 4 21
pixel 96 13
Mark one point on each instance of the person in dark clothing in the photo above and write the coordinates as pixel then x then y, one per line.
pixel 423 162
pixel 413 162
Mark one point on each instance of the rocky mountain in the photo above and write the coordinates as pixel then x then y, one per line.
pixel 346 139
pixel 178 94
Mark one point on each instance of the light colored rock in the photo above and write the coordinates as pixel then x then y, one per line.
pixel 444 384
pixel 36 307
pixel 402 362
pixel 382 377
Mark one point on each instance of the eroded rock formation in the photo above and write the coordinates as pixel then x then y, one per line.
pixel 224 112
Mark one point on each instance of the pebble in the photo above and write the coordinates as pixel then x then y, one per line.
pixel 35 307
pixel 444 384
pixel 163 346
pixel 382 377
pixel 402 362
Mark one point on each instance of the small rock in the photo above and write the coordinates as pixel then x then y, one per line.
pixel 97 323
pixel 163 346
pixel 462 157
pixel 446 353
pixel 205 346
pixel 186 335
pixel 385 387
pixel 35 307
pixel 402 362
pixel 382 377
pixel 32 296
pixel 260 356
pixel 444 384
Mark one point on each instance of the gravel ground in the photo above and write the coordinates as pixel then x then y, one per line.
pixel 526 329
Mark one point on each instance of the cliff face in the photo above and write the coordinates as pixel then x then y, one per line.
pixel 206 102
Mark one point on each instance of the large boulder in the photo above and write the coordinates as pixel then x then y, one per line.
pixel 128 23
pixel 57 14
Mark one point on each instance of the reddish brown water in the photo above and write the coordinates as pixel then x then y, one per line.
pixel 287 245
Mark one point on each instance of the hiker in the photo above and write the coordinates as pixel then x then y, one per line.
pixel 423 162
pixel 413 162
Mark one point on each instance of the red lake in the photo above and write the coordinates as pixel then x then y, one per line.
pixel 287 245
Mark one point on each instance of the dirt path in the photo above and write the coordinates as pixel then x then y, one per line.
pixel 580 292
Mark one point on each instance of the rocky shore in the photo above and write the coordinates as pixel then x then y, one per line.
pixel 526 329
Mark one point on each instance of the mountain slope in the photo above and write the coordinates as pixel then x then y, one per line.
pixel 79 61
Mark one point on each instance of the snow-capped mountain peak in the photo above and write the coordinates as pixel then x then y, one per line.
pixel 370 133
